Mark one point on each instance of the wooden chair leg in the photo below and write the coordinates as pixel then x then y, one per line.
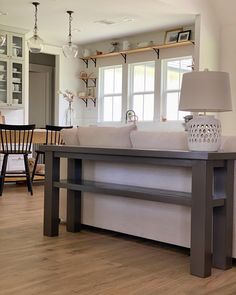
pixel 35 166
pixel 3 173
pixel 27 172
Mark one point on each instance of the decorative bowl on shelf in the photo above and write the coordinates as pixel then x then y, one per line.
pixel 81 94
pixel 142 44
pixel 84 75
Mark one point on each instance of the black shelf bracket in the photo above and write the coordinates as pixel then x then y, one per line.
pixel 94 60
pixel 94 81
pixel 85 61
pixel 157 52
pixel 85 100
pixel 86 81
pixel 94 101
pixel 124 55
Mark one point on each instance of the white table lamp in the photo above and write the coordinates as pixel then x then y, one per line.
pixel 205 91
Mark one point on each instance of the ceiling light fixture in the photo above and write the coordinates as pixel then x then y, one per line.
pixel 70 50
pixel 35 43
pixel 3 13
pixel 115 21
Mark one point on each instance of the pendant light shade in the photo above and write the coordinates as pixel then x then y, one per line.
pixel 35 43
pixel 70 50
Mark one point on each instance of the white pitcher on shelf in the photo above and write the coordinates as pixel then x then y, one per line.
pixel 86 52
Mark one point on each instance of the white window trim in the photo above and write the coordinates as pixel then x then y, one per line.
pixel 164 90
pixel 159 87
pixel 131 93
pixel 101 94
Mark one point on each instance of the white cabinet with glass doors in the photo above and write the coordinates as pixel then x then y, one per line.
pixel 13 46
pixel 12 71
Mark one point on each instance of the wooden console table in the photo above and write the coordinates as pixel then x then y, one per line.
pixel 211 199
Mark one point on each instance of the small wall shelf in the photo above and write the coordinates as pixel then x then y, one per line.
pixel 87 98
pixel 124 53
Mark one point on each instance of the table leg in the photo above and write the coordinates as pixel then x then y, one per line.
pixel 51 195
pixel 201 219
pixel 74 174
pixel 223 217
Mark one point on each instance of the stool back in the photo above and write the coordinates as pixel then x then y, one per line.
pixel 16 139
pixel 53 134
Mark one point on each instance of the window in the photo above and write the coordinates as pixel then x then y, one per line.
pixel 173 70
pixel 110 93
pixel 142 78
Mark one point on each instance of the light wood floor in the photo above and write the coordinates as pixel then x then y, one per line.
pixel 89 262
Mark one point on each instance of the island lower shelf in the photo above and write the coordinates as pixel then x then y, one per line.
pixel 134 192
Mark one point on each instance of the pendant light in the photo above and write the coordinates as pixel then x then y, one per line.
pixel 70 50
pixel 35 43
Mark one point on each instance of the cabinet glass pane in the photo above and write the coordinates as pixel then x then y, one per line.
pixel 3 47
pixel 17 46
pixel 3 82
pixel 17 69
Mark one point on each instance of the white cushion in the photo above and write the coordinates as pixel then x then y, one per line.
pixel 106 136
pixel 159 140
pixel 70 136
pixel 228 143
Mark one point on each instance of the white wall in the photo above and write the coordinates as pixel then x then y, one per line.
pixel 218 28
pixel 13 116
pixel 207 41
pixel 228 64
pixel 90 114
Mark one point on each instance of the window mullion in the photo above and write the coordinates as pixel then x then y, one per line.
pixel 143 92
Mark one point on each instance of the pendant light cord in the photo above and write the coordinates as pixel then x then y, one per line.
pixel 36 18
pixel 70 21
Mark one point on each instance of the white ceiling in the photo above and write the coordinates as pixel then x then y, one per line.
pixel 148 15
pixel 53 21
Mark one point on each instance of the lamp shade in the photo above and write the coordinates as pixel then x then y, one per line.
pixel 205 91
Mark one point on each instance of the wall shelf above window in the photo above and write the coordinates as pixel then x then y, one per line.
pixel 124 53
